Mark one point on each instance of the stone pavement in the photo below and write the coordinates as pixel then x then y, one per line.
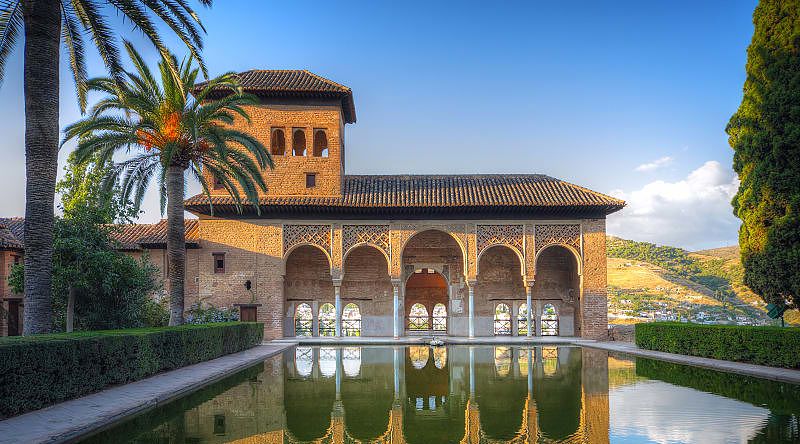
pixel 71 419
pixel 759 371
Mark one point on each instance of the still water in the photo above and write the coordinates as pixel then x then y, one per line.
pixel 472 394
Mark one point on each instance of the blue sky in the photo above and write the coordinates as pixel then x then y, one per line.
pixel 627 98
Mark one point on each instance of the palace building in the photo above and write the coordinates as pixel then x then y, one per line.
pixel 333 254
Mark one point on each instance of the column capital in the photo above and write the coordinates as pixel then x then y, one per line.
pixel 471 283
pixel 397 282
pixel 337 282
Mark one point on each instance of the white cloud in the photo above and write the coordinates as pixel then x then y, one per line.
pixel 665 413
pixel 692 213
pixel 654 165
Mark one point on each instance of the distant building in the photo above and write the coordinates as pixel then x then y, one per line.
pixel 388 255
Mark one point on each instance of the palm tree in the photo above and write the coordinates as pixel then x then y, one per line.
pixel 43 24
pixel 172 132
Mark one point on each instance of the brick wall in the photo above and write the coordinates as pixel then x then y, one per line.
pixel 288 178
pixel 594 304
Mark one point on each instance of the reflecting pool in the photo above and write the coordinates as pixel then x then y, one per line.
pixel 472 394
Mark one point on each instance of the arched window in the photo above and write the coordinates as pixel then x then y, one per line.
pixel 502 360
pixel 351 320
pixel 351 361
pixel 327 320
pixel 327 361
pixel 522 320
pixel 320 144
pixel 418 318
pixel 299 143
pixel 502 320
pixel 277 143
pixel 303 360
pixel 549 320
pixel 440 357
pixel 523 361
pixel 419 355
pixel 303 320
pixel 439 317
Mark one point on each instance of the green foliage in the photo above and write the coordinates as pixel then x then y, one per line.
pixel 83 195
pixel 82 19
pixel 204 315
pixel 765 136
pixel 774 346
pixel 171 121
pixel 37 371
pixel 112 289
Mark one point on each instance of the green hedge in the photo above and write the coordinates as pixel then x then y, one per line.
pixel 774 346
pixel 37 371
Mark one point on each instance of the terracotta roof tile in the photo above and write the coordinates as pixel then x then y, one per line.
pixel 528 191
pixel 130 236
pixel 296 83
pixel 137 236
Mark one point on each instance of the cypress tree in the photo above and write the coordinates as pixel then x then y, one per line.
pixel 765 136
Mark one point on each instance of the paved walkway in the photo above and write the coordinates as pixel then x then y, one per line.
pixel 71 419
pixel 759 371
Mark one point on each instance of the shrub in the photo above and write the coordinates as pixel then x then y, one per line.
pixel 37 371
pixel 199 315
pixel 775 346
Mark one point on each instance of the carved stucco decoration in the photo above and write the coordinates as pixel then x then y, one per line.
pixel 400 236
pixel 294 235
pixel 375 235
pixel 557 234
pixel 508 235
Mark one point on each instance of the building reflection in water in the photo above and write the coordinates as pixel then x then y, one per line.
pixel 468 394
pixel 419 394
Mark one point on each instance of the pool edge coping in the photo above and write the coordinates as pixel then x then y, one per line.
pixel 779 374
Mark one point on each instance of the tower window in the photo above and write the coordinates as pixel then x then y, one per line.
pixel 217 184
pixel 311 180
pixel 320 143
pixel 219 262
pixel 299 143
pixel 277 142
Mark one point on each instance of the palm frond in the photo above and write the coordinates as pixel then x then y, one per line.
pixel 73 40
pixel 10 30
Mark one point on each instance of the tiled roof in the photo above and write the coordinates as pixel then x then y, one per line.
pixel 137 236
pixel 130 236
pixel 297 83
pixel 520 193
pixel 8 240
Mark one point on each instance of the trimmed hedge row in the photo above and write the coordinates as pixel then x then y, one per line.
pixel 37 371
pixel 774 346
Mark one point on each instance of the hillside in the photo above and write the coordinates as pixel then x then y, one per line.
pixel 651 282
pixel 727 260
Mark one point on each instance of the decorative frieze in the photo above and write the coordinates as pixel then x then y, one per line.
pixel 294 235
pixel 375 235
pixel 508 235
pixel 557 234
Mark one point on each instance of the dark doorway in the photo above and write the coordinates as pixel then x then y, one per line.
pixel 14 326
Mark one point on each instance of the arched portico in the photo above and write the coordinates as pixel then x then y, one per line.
pixel 433 263
pixel 556 291
pixel 366 282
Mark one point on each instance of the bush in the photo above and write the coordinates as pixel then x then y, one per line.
pixel 37 371
pixel 200 315
pixel 774 346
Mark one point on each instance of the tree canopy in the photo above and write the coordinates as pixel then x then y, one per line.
pixel 765 136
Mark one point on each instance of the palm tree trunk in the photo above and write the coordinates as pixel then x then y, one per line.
pixel 42 32
pixel 176 243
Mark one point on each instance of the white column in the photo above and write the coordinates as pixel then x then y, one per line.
pixel 396 368
pixel 471 308
pixel 528 301
pixel 396 313
pixel 338 304
pixel 471 372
